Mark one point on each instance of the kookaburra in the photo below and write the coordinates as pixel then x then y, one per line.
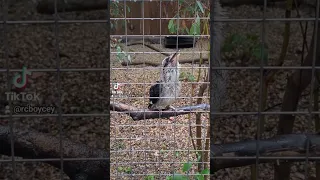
pixel 165 91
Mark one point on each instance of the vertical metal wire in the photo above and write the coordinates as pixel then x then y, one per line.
pixel 191 98
pixel 262 64
pixel 177 47
pixel 160 34
pixel 211 74
pixel 108 57
pixel 126 41
pixel 144 82
pixel 117 154
pixel 57 50
pixel 6 57
pixel 314 56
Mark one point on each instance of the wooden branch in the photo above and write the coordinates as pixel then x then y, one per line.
pixel 149 46
pixel 278 173
pixel 296 84
pixel 143 114
pixel 155 64
pixel 35 145
pixel 279 146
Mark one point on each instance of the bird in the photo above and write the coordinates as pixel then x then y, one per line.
pixel 164 92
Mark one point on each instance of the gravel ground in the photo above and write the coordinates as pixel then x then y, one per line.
pixel 135 144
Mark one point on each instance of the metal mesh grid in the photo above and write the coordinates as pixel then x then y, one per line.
pixel 47 150
pixel 153 147
pixel 258 115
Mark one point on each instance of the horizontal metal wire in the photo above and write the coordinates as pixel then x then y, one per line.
pixel 143 138
pixel 153 125
pixel 146 150
pixel 225 19
pixel 245 68
pixel 112 1
pixel 86 69
pixel 216 113
pixel 267 157
pixel 53 159
pixel 53 21
pixel 106 21
pixel 147 174
pixel 232 157
pixel 153 52
pixel 158 18
pixel 126 112
pixel 242 113
pixel 166 162
pixel 176 162
pixel 154 36
pixel 129 83
pixel 143 97
pixel 105 69
pixel 203 82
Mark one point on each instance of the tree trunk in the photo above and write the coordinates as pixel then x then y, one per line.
pixel 296 84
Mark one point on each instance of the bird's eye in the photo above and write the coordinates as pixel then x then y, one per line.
pixel 166 62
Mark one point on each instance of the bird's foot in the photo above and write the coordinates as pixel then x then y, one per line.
pixel 171 107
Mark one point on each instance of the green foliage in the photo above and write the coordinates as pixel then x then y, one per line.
pixel 189 77
pixel 127 170
pixel 117 11
pixel 199 4
pixel 195 27
pixel 122 55
pixel 150 177
pixel 187 7
pixel 186 168
pixel 248 45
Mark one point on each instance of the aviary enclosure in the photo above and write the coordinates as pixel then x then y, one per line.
pixel 248 101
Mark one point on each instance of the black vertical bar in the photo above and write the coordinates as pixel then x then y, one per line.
pixel 108 88
pixel 6 57
pixel 211 75
pixel 56 35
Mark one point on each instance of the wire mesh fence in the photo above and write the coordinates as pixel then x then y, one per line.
pixel 257 80
pixel 54 92
pixel 264 75
pixel 159 145
pixel 279 97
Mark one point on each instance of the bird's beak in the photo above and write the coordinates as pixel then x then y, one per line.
pixel 174 58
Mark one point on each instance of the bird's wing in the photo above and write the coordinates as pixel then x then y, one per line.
pixel 154 93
